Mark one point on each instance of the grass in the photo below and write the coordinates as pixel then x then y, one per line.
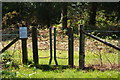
pixel 47 71
pixel 91 57
pixel 25 72
pixel 96 54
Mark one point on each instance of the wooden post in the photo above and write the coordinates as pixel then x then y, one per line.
pixel 35 45
pixel 70 47
pixel 50 34
pixel 55 47
pixel 23 36
pixel 81 49
pixel 24 51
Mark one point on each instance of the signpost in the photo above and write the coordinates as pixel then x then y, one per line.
pixel 23 36
pixel 23 32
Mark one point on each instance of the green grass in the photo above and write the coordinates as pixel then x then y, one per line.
pixel 60 71
pixel 25 72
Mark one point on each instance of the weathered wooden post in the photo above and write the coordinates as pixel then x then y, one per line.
pixel 23 36
pixel 70 47
pixel 55 47
pixel 82 49
pixel 35 45
pixel 50 34
pixel 24 51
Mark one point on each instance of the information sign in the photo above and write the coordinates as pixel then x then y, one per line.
pixel 23 32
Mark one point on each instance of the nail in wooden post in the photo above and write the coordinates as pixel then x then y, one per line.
pixel 81 49
pixel 50 34
pixel 71 47
pixel 35 45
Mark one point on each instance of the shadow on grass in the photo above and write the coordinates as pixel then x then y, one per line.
pixel 52 67
pixel 60 67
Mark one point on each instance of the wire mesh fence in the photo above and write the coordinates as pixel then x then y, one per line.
pixel 43 46
pixel 97 54
pixel 62 47
pixel 101 56
pixel 13 54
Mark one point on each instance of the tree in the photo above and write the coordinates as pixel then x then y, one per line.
pixel 47 13
pixel 15 12
pixel 92 14
pixel 73 13
pixel 44 14
pixel 64 15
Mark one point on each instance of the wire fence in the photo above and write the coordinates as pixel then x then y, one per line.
pixel 43 46
pixel 97 54
pixel 101 55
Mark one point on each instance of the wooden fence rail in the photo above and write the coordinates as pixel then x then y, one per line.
pixel 10 44
pixel 106 43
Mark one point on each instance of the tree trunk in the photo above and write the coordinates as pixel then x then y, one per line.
pixel 92 14
pixel 64 15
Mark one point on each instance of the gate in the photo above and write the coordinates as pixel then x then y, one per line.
pixel 51 39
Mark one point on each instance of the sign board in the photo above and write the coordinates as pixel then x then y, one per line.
pixel 23 32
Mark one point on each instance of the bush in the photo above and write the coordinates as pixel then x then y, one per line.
pixel 8 61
